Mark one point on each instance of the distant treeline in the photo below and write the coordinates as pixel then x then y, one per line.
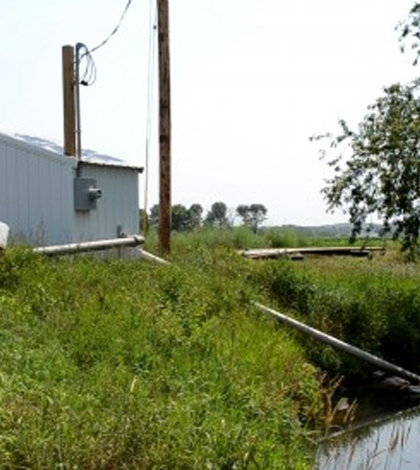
pixel 185 219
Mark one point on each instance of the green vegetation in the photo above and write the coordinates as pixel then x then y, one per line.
pixel 372 304
pixel 109 363
pixel 122 364
pixel 376 167
pixel 243 238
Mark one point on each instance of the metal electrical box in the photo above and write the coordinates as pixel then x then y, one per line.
pixel 86 193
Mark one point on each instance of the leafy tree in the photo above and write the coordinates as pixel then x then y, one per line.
pixel 154 216
pixel 243 211
pixel 258 215
pixel 196 213
pixel 217 216
pixel 252 215
pixel 377 166
pixel 180 218
pixel 410 31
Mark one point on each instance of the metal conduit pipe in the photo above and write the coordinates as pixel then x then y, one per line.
pixel 150 257
pixel 341 345
pixel 97 245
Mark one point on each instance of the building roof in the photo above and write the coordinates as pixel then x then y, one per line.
pixel 49 146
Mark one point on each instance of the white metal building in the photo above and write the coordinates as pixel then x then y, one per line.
pixel 47 198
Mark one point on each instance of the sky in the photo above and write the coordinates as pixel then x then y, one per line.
pixel 251 82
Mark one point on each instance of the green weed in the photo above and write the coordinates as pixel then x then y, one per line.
pixel 372 304
pixel 113 364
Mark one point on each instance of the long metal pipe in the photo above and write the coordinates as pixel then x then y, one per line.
pixel 150 257
pixel 98 245
pixel 341 345
pixel 79 46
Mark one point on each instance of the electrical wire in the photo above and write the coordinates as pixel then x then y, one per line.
pixel 149 117
pixel 114 31
pixel 88 77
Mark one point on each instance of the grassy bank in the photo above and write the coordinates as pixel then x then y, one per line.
pixel 113 364
pixel 373 304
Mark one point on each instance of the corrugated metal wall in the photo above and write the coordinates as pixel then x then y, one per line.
pixel 37 196
pixel 117 208
pixel 36 193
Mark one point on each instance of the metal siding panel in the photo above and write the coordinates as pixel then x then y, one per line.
pixel 12 200
pixel 33 193
pixel 66 193
pixel 36 228
pixel 105 214
pixel 130 204
pixel 57 202
pixel 4 215
pixel 29 189
pixel 24 196
pixel 16 190
pixel 54 200
pixel 118 205
pixel 125 204
pixel 35 188
pixel 39 223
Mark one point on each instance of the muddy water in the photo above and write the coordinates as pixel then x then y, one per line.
pixel 388 441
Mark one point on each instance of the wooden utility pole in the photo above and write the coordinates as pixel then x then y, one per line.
pixel 69 110
pixel 164 129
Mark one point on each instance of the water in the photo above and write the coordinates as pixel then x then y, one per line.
pixel 390 443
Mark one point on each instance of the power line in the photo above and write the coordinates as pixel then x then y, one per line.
pixel 151 63
pixel 114 31
pixel 150 91
pixel 89 74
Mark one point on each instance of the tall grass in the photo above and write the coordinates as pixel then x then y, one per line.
pixel 374 305
pixel 239 238
pixel 108 364
pixel 113 364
